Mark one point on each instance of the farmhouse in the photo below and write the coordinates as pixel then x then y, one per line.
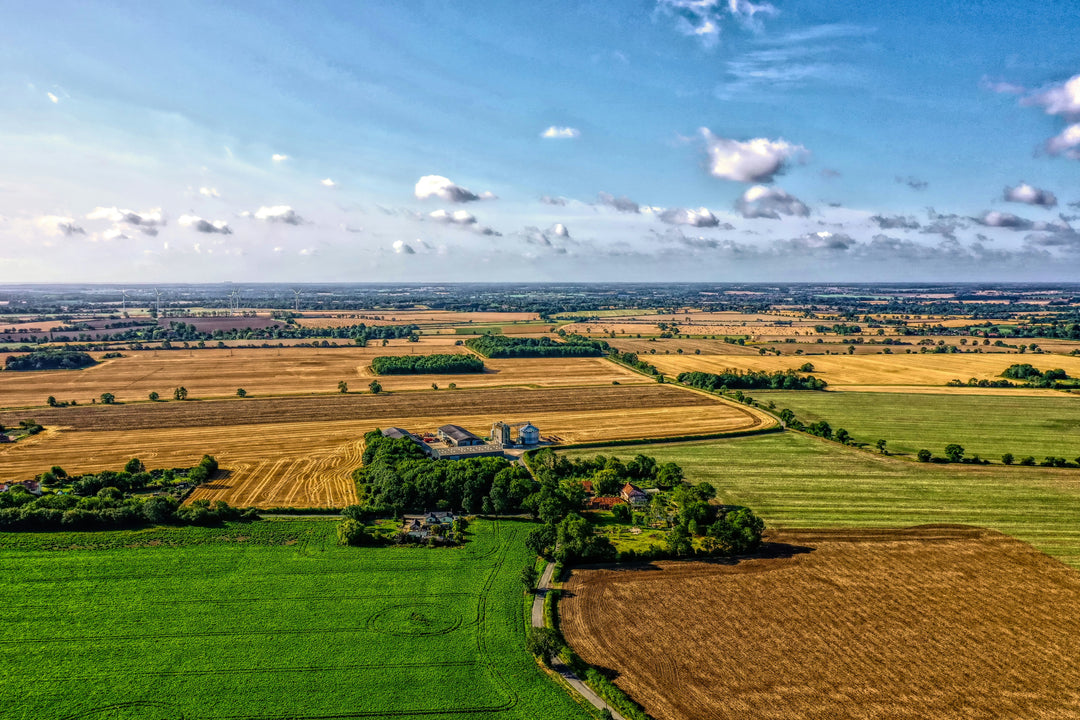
pixel 602 503
pixel 31 486
pixel 633 494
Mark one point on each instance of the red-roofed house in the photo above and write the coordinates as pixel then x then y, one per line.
pixel 633 494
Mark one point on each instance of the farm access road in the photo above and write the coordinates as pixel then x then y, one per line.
pixel 558 665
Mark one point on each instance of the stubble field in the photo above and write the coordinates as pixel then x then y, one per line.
pixel 299 451
pixel 932 622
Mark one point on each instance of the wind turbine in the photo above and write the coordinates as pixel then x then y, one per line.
pixel 124 293
pixel 158 294
pixel 296 302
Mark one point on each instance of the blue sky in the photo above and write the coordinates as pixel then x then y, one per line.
pixel 644 140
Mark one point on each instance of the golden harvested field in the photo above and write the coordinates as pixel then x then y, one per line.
pixel 643 346
pixel 282 371
pixel 936 622
pixel 270 446
pixel 416 317
pixel 844 372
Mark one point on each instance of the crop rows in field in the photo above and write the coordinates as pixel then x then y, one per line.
pixel 328 632
pixel 930 622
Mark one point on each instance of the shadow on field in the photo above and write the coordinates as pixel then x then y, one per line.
pixel 220 481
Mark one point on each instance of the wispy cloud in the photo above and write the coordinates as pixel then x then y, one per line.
pixel 704 19
pixel 204 226
pixel 912 182
pixel 279 158
pixel 147 221
pixel 622 204
pixel 327 182
pixel 209 192
pixel 59 225
pixel 560 133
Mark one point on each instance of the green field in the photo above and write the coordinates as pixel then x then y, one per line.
pixel 794 480
pixel 989 425
pixel 268 620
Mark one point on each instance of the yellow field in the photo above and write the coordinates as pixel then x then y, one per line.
pixel 307 464
pixel 284 371
pixel 844 372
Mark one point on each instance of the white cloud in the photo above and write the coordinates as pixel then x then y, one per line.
pixel 1066 143
pixel 561 133
pixel 760 201
pixel 756 160
pixel 115 233
pixel 278 213
pixel 147 221
pixel 1063 99
pixel 1024 193
pixel 403 248
pixel 59 225
pixel 622 204
pixel 702 217
pixel 554 200
pixel 327 182
pixel 209 192
pixel 53 98
pixel 993 218
pixel 559 230
pixel 702 19
pixel 436 186
pixel 204 226
pixel 893 222
pixel 276 157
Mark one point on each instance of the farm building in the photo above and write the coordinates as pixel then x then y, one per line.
pixel 527 434
pixel 633 494
pixel 458 436
pixel 603 503
pixel 400 433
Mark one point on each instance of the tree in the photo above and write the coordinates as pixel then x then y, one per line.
pixel 375 387
pixel 924 456
pixel 543 642
pixel 51 401
pixel 954 452
pixel 241 392
pixel 881 446
pixel 434 386
pixel 669 475
pixel 807 367
pixel 342 386
pixel 622 513
pixel 154 397
pixel 529 576
pixel 180 393
pixel 541 540
pixel 607 482
pixel 107 398
pixel 843 436
pixel 134 465
pixel 1007 459
pixel 453 386
pixel 351 532
pixel 679 541
pixel 738 532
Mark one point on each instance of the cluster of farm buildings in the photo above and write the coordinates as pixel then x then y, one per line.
pixel 453 442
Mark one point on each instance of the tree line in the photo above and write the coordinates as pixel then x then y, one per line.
pixel 49 360
pixel 751 380
pixel 441 364
pixel 502 346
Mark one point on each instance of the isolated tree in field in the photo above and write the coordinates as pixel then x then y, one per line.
pixel 180 393
pixel 241 392
pixel 1007 459
pixel 954 452
pixel 807 367
pixel 134 465
pixel 107 398
pixel 154 397
pixel 51 401
pixel 453 386
pixel 529 576
pixel 342 386
pixel 434 386
pixel 843 436
pixel 924 456
pixel 881 446
pixel 375 387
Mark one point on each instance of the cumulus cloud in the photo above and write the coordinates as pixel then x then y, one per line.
pixel 147 221
pixel 760 201
pixel 436 186
pixel 549 200
pixel 204 226
pixel 1066 143
pixel 461 218
pixel 1063 99
pixel 912 182
pixel 548 238
pixel 327 182
pixel 278 158
pixel 703 19
pixel 702 217
pixel 994 218
pixel 115 233
pixel 209 192
pixel 559 230
pixel 403 248
pixel 278 214
pixel 822 240
pixel 752 161
pixel 622 204
pixel 59 225
pixel 1024 193
pixel 561 133
pixel 891 222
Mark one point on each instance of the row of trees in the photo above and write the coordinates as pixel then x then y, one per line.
pixel 751 380
pixel 632 360
pixel 440 364
pixel 1035 377
pixel 502 346
pixel 607 474
pixel 49 360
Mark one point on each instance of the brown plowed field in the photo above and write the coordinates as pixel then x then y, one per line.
pixel 930 622
pixel 300 451
pixel 286 371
